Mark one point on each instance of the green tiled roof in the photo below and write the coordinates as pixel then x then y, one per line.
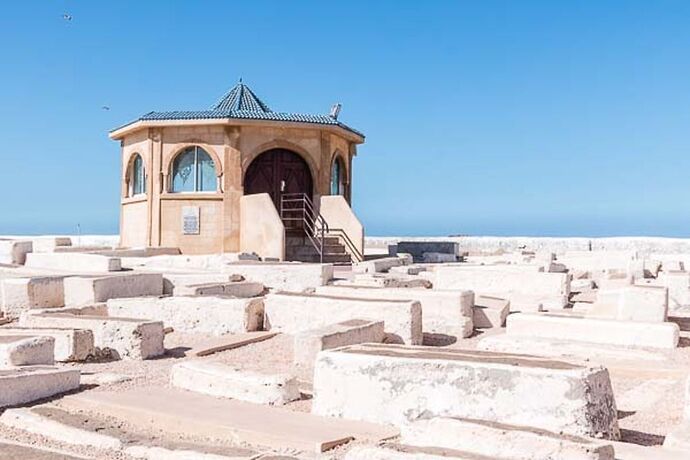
pixel 241 103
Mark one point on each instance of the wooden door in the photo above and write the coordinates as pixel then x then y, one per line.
pixel 276 172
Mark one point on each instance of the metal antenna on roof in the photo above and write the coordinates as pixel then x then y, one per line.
pixel 335 110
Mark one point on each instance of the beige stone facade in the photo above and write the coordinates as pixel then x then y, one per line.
pixel 152 211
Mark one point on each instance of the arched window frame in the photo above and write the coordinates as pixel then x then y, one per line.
pixel 137 176
pixel 196 150
pixel 338 187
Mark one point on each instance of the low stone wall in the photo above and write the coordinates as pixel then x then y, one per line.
pixel 394 384
pixel 24 385
pixel 70 344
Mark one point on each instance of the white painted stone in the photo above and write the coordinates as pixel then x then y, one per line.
pixel 292 313
pixel 26 384
pixel 489 312
pixel 497 440
pixel 73 262
pixel 396 384
pixel 20 294
pixel 233 289
pixel 594 330
pixel 70 344
pixel 678 284
pixel 307 344
pixel 377 265
pixel 27 420
pixel 82 290
pixel 17 350
pixel 211 315
pixel 390 280
pixel 632 303
pixel 49 244
pixel 288 276
pixel 222 380
pixel 129 338
pixel 14 251
pixel 172 281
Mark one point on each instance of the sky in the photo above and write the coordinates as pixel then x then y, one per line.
pixel 543 118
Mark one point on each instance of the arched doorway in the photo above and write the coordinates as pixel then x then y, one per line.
pixel 276 172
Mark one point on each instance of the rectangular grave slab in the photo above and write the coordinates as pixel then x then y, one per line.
pixel 50 244
pixel 293 313
pixel 443 312
pixel 632 303
pixel 418 248
pixel 14 251
pixel 26 384
pixel 594 330
pixel 20 294
pixel 232 289
pixel 224 381
pixel 307 344
pixel 128 338
pixel 211 315
pixel 18 350
pixel 288 276
pixel 397 384
pixel 489 311
pixel 499 440
pixel 70 344
pixel 381 265
pixel 73 262
pixel 81 290
pixel 396 451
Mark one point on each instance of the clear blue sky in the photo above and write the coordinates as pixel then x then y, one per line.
pixel 484 117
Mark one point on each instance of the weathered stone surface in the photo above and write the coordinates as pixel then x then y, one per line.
pixel 14 251
pixel 82 290
pixel 632 303
pixel 174 280
pixel 497 440
pixel 438 258
pixel 70 344
pixel 395 384
pixel 73 262
pixel 27 384
pixel 212 315
pixel 393 451
pixel 381 265
pixel 129 338
pixel 49 244
pixel 222 380
pixel 232 289
pixel 307 344
pixel 18 350
pixel 443 312
pixel 490 311
pixel 284 276
pixel 389 280
pixel 418 248
pixel 293 313
pixel 594 330
pixel 20 294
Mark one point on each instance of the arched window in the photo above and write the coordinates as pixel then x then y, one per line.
pixel 337 177
pixel 193 171
pixel 137 177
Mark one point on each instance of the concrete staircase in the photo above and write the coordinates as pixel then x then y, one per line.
pixel 298 247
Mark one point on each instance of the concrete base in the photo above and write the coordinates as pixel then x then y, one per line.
pixel 395 384
pixel 502 441
pixel 218 379
pixel 89 290
pixel 293 313
pixel 211 315
pixel 70 344
pixel 26 350
pixel 27 384
pixel 308 344
pixel 604 331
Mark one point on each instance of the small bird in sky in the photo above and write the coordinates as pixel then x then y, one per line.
pixel 105 107
pixel 67 17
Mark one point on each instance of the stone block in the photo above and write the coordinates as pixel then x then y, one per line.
pixel 232 289
pixel 396 384
pixel 26 384
pixel 381 265
pixel 678 284
pixel 594 330
pixel 392 280
pixel 407 270
pixel 632 303
pixel 489 312
pixel 128 338
pixel 292 313
pixel 438 258
pixel 18 350
pixel 83 290
pixel 307 344
pixel 14 251
pixel 50 244
pixel 70 344
pixel 221 380
pixel 443 312
pixel 172 281
pixel 502 441
pixel 287 276
pixel 210 315
pixel 73 262
pixel 418 248
pixel 20 294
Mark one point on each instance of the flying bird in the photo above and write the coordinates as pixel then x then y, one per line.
pixel 67 17
pixel 105 107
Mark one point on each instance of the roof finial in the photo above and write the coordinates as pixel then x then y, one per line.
pixel 240 79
